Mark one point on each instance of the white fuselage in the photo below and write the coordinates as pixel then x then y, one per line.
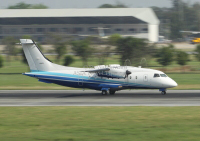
pixel 139 77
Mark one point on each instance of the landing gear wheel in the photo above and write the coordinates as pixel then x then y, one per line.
pixel 163 92
pixel 112 92
pixel 104 92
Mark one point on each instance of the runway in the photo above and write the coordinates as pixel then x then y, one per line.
pixel 94 98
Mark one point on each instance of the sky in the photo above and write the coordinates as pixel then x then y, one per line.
pixel 58 4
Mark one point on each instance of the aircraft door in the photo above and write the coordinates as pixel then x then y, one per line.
pixel 145 78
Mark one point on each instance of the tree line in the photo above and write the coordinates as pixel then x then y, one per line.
pixel 22 5
pixel 182 16
pixel 130 48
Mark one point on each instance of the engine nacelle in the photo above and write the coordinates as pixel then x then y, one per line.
pixel 113 73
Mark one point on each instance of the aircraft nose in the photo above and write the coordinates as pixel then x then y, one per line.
pixel 170 83
pixel 173 84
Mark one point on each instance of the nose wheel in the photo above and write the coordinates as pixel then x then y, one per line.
pixel 163 92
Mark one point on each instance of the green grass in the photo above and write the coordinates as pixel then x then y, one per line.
pixel 99 123
pixel 174 67
pixel 186 81
pixel 22 82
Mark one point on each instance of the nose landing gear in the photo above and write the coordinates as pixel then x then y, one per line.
pixel 104 92
pixel 163 91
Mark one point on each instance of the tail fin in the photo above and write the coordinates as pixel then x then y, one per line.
pixel 36 60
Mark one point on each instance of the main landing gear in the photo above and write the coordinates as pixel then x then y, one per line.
pixel 112 92
pixel 105 92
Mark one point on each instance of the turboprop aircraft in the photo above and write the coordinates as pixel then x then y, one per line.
pixel 107 79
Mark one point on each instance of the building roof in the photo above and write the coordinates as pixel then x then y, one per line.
pixel 70 20
pixel 143 14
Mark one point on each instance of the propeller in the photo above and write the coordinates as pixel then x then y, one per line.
pixel 127 73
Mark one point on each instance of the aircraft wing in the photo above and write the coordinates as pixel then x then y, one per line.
pixel 97 70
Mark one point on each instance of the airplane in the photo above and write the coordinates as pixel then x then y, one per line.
pixel 105 78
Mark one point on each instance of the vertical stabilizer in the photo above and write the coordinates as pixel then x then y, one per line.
pixel 35 58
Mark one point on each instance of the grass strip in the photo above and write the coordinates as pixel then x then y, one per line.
pixel 99 123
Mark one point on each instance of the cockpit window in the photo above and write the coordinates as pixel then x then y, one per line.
pixel 156 75
pixel 163 75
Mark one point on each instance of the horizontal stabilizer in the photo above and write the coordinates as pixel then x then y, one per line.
pixel 26 41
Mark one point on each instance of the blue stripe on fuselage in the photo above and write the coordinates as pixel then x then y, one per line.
pixel 74 80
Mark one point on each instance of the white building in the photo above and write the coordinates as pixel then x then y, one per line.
pixel 137 22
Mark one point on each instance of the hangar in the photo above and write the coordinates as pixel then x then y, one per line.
pixel 136 22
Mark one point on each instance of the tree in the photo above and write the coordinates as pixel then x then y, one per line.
pixel 117 5
pixel 60 49
pixel 10 48
pixel 175 26
pixel 182 16
pixel 20 5
pixel 59 45
pixel 102 54
pixel 196 9
pixel 106 6
pixel 176 4
pixel 68 60
pixel 26 37
pixel 113 39
pixel 39 6
pixel 198 52
pixel 23 5
pixel 82 48
pixel 182 58
pixel 1 61
pixel 133 49
pixel 165 55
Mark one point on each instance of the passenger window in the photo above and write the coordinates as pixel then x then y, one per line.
pixel 156 75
